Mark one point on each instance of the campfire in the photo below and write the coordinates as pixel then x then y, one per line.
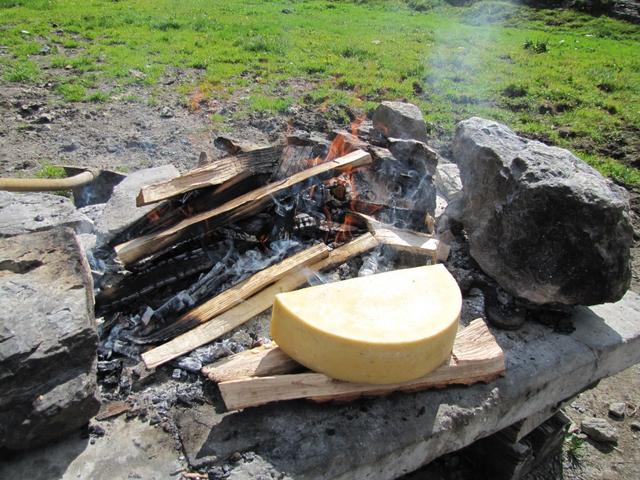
pixel 224 238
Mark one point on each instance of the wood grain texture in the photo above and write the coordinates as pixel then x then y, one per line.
pixel 262 160
pixel 258 303
pixel 134 249
pixel 476 357
pixel 258 362
pixel 407 240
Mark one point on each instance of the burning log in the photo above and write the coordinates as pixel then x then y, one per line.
pixel 251 307
pixel 261 161
pixel 476 357
pixel 237 208
pixel 238 293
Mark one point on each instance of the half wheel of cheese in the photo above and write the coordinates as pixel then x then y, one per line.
pixel 381 329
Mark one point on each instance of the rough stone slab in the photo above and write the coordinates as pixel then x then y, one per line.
pixel 129 450
pixel 385 438
pixel 32 212
pixel 121 209
pixel 48 339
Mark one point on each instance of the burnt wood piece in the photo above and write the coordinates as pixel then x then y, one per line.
pixel 249 203
pixel 238 293
pixel 159 275
pixel 260 161
pixel 234 146
pixel 254 305
pixel 502 457
pixel 294 159
pixel 476 357
pixel 258 362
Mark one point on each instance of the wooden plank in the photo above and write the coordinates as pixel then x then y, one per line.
pixel 240 292
pixel 112 409
pixel 476 357
pixel 407 240
pixel 258 303
pixel 262 160
pixel 134 249
pixel 261 361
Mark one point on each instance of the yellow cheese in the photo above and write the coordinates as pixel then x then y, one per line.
pixel 387 328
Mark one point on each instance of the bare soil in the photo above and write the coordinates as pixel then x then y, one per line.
pixel 37 128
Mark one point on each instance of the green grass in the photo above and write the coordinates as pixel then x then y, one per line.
pixel 48 170
pixel 539 71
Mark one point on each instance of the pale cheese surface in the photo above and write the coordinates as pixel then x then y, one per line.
pixel 393 307
pixel 387 328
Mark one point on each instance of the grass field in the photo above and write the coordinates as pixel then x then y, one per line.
pixel 568 78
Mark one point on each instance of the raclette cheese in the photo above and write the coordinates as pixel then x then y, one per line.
pixel 381 329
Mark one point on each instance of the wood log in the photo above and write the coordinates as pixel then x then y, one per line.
pixel 262 160
pixel 112 409
pixel 134 249
pixel 476 357
pixel 261 361
pixel 258 303
pixel 407 240
pixel 240 292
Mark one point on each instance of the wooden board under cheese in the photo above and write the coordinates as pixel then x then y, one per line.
pixel 386 328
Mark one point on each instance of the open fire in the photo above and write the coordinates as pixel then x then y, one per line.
pixel 272 217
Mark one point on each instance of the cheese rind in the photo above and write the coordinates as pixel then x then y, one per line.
pixel 381 329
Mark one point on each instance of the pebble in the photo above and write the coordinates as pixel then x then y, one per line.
pixel 166 112
pixel 635 426
pixel 617 410
pixel 600 430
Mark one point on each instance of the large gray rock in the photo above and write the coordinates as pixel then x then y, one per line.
pixel 545 225
pixel 32 212
pixel 47 338
pixel 400 120
pixel 121 209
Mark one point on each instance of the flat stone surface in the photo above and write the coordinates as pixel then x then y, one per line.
pixel 34 211
pixel 129 450
pixel 387 437
pixel 48 339
pixel 121 209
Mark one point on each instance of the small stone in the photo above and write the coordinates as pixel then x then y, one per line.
pixel 600 430
pixel 176 374
pixel 400 120
pixel 44 118
pixel 635 426
pixel 166 112
pixel 617 410
pixel 235 457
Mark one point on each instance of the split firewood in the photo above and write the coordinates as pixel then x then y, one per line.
pixel 112 409
pixel 240 292
pixel 254 162
pixel 234 146
pixel 236 208
pixel 476 357
pixel 407 240
pixel 261 361
pixel 245 311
